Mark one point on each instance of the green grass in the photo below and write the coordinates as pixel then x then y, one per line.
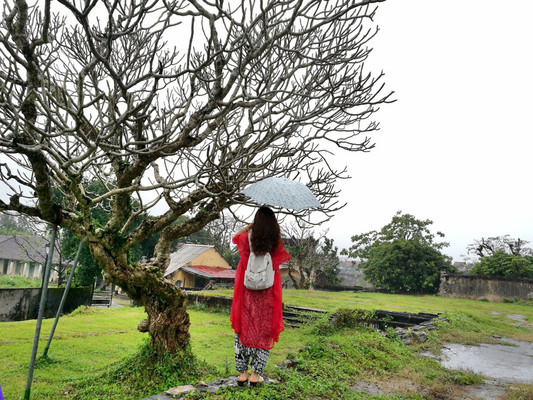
pixel 97 353
pixel 90 339
pixel 481 319
pixel 331 363
pixel 410 303
pixel 17 282
pixel 84 342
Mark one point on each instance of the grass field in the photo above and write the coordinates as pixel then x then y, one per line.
pixel 17 281
pixel 90 341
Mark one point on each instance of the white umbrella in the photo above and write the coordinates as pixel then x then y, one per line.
pixel 282 192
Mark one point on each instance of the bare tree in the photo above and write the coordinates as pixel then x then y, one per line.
pixel 488 246
pixel 177 102
pixel 222 230
pixel 314 259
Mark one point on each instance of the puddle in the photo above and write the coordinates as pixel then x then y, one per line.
pixel 505 363
pixel 517 317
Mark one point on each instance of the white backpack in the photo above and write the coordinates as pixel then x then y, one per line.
pixel 259 273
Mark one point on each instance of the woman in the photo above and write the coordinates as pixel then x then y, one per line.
pixel 256 315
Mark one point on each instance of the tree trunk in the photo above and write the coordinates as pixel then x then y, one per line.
pixel 166 305
pixel 312 279
pixel 303 279
pixel 168 325
pixel 295 282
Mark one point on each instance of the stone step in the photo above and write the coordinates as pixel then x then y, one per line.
pixel 105 293
pixel 295 320
pixel 307 309
pixel 404 317
pixel 297 314
pixel 209 387
pixel 293 325
pixel 391 324
pixel 100 302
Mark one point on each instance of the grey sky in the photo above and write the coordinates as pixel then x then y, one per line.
pixel 456 147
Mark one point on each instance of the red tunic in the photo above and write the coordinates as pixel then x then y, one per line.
pixel 257 315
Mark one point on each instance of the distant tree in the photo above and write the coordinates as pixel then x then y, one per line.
pixel 217 233
pixel 404 255
pixel 488 246
pixel 11 225
pixel 501 263
pixel 222 230
pixel 313 259
pixel 87 270
pixel 402 226
pixel 405 266
pixel 328 273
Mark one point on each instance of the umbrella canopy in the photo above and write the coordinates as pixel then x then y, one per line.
pixel 282 192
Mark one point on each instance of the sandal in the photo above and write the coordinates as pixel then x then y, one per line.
pixel 258 383
pixel 241 383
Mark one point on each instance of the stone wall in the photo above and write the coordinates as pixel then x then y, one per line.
pixel 212 302
pixel 23 304
pixel 488 287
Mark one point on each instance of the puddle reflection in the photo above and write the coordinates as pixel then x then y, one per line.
pixel 507 363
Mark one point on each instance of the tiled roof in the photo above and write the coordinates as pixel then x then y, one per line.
pixel 185 254
pixel 210 272
pixel 25 248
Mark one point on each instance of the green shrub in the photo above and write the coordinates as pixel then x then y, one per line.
pixel 85 310
pixel 17 281
pixel 502 264
pixel 465 378
pixel 349 318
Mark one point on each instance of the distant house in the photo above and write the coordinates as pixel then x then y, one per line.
pixel 196 266
pixel 351 274
pixel 25 256
pixel 462 267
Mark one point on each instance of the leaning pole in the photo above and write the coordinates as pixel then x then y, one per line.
pixel 63 299
pixel 42 303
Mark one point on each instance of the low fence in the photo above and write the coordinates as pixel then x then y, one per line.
pixel 23 304
pixel 488 287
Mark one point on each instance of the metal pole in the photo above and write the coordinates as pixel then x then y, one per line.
pixel 63 299
pixel 44 291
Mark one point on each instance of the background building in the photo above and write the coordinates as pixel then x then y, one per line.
pixel 199 266
pixel 26 256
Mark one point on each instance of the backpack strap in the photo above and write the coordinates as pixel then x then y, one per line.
pixel 250 241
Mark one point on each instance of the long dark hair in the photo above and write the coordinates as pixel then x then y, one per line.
pixel 265 231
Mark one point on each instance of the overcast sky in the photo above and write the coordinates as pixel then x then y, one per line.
pixel 457 146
